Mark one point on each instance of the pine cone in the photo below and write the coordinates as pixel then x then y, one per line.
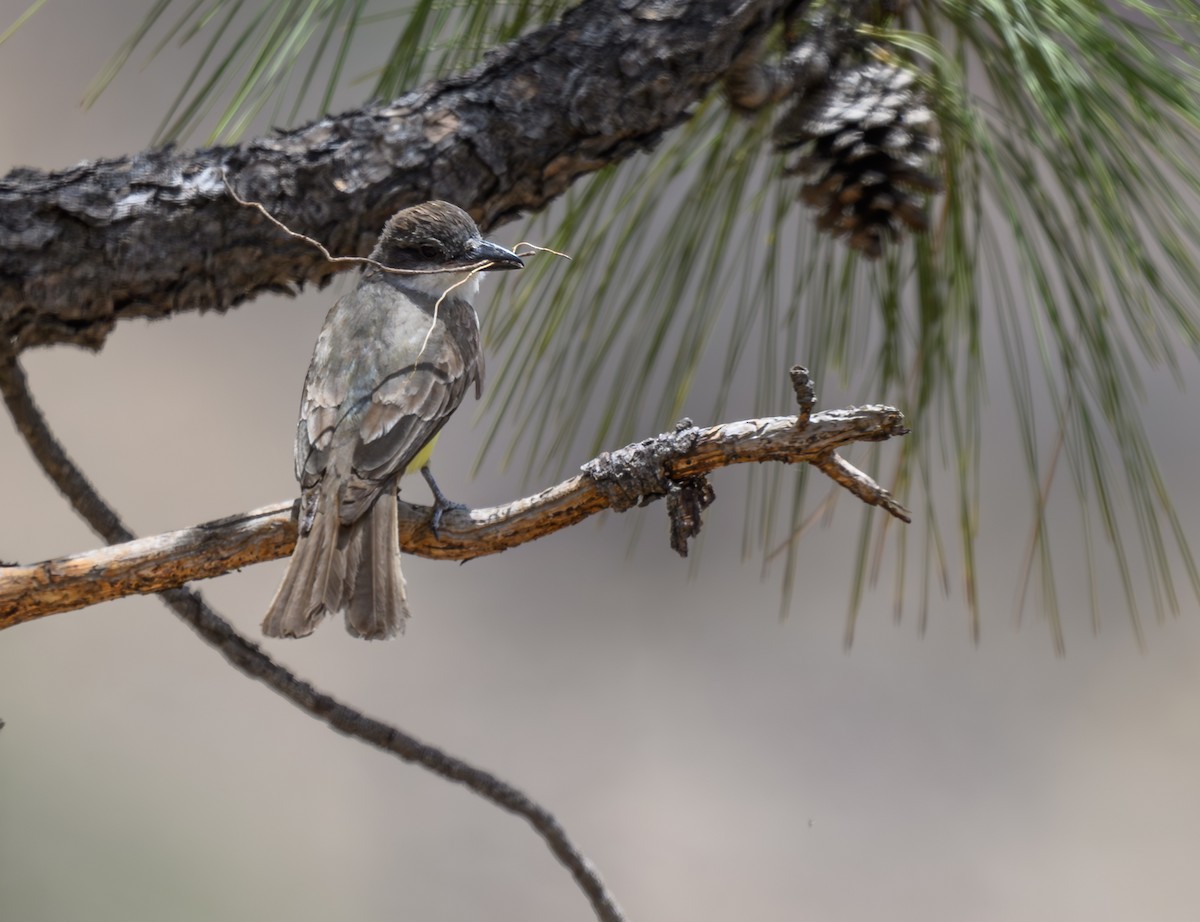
pixel 865 142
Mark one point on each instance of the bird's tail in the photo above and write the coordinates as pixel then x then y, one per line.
pixel 353 568
pixel 373 595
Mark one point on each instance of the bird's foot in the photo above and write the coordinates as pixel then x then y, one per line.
pixel 440 503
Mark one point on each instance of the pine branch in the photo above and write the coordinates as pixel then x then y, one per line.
pixel 603 83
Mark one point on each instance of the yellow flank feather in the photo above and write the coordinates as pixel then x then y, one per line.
pixel 422 457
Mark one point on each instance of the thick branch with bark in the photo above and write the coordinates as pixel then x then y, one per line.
pixel 156 233
pixel 636 474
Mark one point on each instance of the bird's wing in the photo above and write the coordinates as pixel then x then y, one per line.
pixel 324 402
pixel 405 411
pixel 401 415
pixel 375 403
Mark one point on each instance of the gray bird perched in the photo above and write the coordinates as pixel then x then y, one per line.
pixel 393 361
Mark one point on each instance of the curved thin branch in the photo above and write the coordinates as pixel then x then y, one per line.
pixel 603 83
pixel 248 659
pixel 638 473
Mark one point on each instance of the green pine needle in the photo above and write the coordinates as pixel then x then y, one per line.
pixel 1070 166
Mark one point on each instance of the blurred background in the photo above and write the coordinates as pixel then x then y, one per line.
pixel 712 759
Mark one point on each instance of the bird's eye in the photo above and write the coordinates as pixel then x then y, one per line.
pixel 429 250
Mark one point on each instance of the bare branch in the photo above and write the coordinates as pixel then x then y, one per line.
pixel 806 394
pixel 248 659
pixel 861 485
pixel 648 471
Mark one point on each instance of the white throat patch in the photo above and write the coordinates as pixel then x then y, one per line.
pixel 438 283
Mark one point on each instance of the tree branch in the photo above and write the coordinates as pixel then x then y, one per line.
pixel 248 659
pixel 639 473
pixel 163 235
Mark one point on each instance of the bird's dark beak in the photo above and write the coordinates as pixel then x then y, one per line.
pixel 499 257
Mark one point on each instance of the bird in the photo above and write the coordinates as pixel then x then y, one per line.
pixel 392 362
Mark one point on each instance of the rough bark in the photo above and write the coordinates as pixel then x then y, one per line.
pixel 157 232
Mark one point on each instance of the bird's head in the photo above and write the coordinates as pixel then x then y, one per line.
pixel 440 241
